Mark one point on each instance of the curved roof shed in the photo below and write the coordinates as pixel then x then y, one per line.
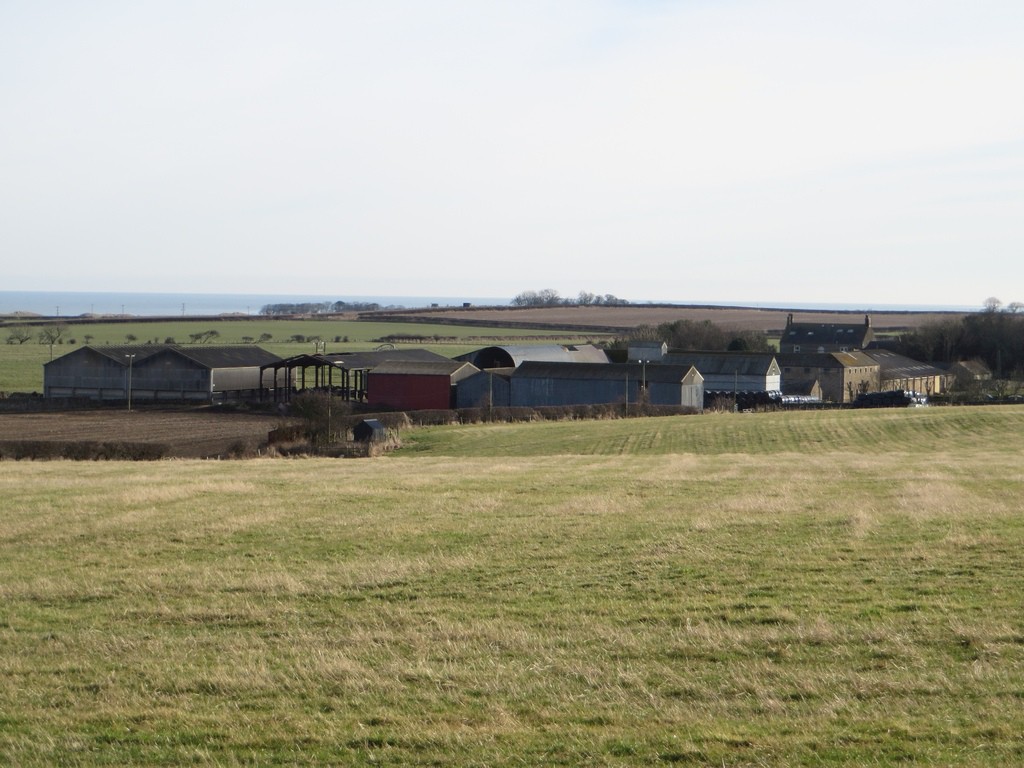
pixel 513 355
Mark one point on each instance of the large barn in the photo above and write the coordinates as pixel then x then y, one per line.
pixel 731 371
pixel 536 384
pixel 157 372
pixel 513 355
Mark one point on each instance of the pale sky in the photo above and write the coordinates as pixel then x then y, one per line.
pixel 708 150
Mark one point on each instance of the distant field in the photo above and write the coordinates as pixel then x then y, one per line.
pixel 814 589
pixel 21 365
pixel 771 321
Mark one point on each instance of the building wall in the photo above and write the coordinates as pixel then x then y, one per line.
pixel 726 382
pixel 168 376
pixel 410 392
pixel 483 389
pixel 926 385
pixel 85 373
pixel 542 391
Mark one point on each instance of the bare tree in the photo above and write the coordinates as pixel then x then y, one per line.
pixel 52 334
pixel 19 336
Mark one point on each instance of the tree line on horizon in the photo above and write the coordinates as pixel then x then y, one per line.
pixel 549 297
pixel 994 335
pixel 321 307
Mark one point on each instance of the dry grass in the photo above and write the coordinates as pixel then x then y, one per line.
pixel 816 607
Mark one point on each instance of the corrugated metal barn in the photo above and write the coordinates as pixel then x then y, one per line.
pixel 513 355
pixel 899 372
pixel 490 387
pixel 157 372
pixel 416 386
pixel 536 384
pixel 731 371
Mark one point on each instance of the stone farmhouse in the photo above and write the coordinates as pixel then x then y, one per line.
pixel 825 337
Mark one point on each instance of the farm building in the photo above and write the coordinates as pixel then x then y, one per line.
pixel 840 375
pixel 157 372
pixel 414 385
pixel 510 356
pixel 730 371
pixel 369 431
pixel 649 351
pixel 899 372
pixel 825 337
pixel 968 372
pixel 487 388
pixel 535 384
pixel 344 373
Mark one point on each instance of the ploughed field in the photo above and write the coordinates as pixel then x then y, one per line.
pixel 630 316
pixel 188 433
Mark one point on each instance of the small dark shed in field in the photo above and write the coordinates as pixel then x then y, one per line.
pixel 369 431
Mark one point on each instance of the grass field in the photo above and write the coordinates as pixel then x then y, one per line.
pixel 675 591
pixel 21 365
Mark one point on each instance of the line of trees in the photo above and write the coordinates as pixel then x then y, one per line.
pixel 549 297
pixel 995 335
pixel 702 335
pixel 320 307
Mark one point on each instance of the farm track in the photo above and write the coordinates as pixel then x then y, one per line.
pixel 188 433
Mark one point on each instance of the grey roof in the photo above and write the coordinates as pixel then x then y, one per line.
pixel 370 360
pixel 446 367
pixel 803 387
pixel 824 359
pixel 894 365
pixel 602 371
pixel 717 363
pixel 208 356
pixel 853 335
pixel 217 356
pixel 512 355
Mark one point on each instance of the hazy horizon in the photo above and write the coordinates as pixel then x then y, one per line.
pixel 142 303
pixel 767 152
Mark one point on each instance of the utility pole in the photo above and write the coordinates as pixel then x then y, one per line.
pixel 131 359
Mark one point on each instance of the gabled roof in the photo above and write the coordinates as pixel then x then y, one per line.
pixel 456 369
pixel 718 363
pixel 892 365
pixel 370 360
pixel 207 356
pixel 801 387
pixel 852 335
pixel 223 356
pixel 537 369
pixel 974 367
pixel 853 359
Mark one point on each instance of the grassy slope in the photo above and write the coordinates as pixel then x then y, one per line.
pixel 731 600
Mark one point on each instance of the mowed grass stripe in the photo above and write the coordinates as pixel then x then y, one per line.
pixel 820 607
pixel 903 430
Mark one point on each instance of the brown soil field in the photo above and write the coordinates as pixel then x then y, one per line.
pixel 621 318
pixel 188 433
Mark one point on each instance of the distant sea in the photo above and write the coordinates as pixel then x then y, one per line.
pixel 75 304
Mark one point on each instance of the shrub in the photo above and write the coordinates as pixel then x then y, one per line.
pixel 81 450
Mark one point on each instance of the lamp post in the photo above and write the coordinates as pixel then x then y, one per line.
pixel 131 360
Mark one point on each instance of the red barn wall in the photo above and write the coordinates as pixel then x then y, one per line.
pixel 409 392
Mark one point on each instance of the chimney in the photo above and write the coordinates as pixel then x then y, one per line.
pixel 867 321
